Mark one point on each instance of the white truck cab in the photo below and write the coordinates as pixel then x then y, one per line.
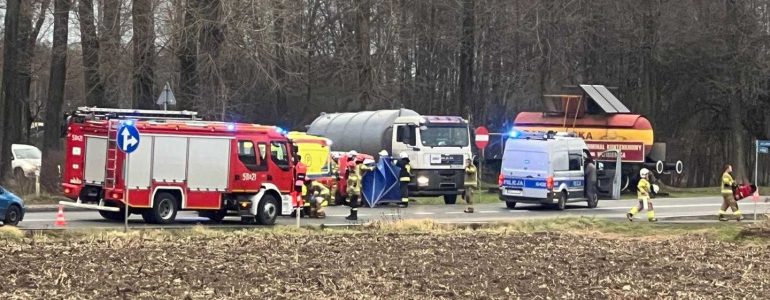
pixel 546 168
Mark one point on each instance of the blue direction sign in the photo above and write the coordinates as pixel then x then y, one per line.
pixel 763 146
pixel 128 136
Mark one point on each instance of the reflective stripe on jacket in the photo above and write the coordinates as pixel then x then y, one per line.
pixel 727 183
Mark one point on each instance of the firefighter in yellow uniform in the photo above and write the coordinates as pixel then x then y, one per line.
pixel 728 199
pixel 643 193
pixel 355 174
pixel 471 183
pixel 319 197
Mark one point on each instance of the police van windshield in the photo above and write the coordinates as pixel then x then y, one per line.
pixel 525 160
pixel 444 136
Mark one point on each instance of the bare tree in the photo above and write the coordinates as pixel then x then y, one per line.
pixel 90 46
pixel 144 54
pixel 187 55
pixel 10 107
pixel 52 155
pixel 363 16
pixel 467 49
pixel 109 50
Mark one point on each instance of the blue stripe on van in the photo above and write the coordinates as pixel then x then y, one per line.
pixel 538 183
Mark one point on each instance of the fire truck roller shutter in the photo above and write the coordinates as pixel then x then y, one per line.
pixel 208 166
pixel 96 155
pixel 169 159
pixel 139 169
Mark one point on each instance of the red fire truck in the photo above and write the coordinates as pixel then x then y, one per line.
pixel 181 163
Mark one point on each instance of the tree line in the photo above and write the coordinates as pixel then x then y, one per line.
pixel 697 68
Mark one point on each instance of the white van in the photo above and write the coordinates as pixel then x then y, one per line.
pixel 544 168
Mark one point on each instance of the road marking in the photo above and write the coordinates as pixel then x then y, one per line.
pixel 454 212
pixel 488 211
pixel 666 206
pixel 424 213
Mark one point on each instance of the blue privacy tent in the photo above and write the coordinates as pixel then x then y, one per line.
pixel 381 185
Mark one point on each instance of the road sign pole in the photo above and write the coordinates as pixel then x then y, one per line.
pixel 125 193
pixel 760 146
pixel 479 180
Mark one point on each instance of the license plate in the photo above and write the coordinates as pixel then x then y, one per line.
pixel 508 192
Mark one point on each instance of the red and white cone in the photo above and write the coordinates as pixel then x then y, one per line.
pixel 60 221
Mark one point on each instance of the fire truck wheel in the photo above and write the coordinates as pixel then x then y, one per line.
pixel 215 216
pixel 113 215
pixel 268 210
pixel 163 210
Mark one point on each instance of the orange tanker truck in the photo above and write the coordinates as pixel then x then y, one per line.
pixel 595 114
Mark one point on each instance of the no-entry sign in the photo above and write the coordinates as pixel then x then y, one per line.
pixel 482 137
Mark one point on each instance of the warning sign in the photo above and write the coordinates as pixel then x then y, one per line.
pixel 629 151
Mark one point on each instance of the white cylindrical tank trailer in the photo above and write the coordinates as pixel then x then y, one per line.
pixel 437 145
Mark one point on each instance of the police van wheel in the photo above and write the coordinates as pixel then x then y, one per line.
pixel 267 211
pixel 450 199
pixel 593 201
pixel 510 204
pixel 562 204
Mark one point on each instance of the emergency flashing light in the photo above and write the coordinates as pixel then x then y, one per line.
pixel 514 134
pixel 230 126
pixel 128 122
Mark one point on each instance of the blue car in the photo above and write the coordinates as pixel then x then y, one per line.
pixel 11 208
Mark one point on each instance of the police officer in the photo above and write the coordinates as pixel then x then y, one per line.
pixel 590 178
pixel 355 174
pixel 404 177
pixel 471 182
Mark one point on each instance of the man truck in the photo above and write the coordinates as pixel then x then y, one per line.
pixel 437 146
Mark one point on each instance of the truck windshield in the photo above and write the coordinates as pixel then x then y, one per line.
pixel 445 136
pixel 525 160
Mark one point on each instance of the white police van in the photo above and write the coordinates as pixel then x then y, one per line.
pixel 547 168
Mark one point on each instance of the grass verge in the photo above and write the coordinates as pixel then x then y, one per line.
pixel 759 232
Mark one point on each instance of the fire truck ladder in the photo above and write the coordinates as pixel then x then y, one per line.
pixel 96 113
pixel 110 167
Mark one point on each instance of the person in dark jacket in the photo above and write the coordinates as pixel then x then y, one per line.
pixel 404 177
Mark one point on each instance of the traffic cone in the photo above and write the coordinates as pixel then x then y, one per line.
pixel 60 221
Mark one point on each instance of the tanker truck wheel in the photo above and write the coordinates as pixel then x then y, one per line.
pixel 450 199
pixel 625 182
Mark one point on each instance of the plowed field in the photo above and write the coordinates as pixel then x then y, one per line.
pixel 377 265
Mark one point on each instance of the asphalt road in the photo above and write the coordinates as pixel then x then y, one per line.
pixel 610 209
